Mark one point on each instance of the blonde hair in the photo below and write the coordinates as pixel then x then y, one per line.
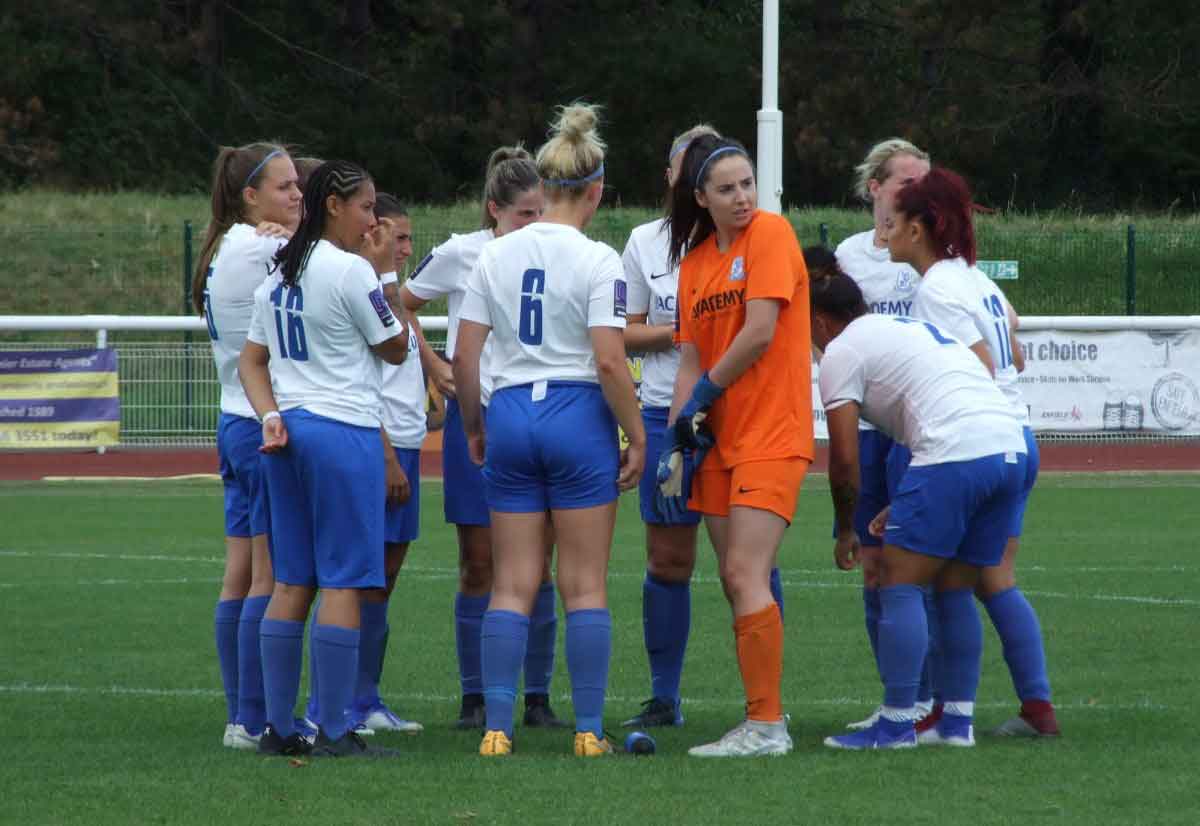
pixel 684 139
pixel 875 166
pixel 574 155
pixel 510 173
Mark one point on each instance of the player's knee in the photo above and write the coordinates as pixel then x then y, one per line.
pixel 670 563
pixel 475 575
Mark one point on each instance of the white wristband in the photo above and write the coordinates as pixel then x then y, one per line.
pixel 270 414
pixel 389 278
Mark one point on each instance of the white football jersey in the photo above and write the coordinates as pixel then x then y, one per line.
pixel 444 272
pixel 540 289
pixel 242 262
pixel 921 387
pixel 403 390
pixel 888 287
pixel 966 303
pixel 320 332
pixel 653 286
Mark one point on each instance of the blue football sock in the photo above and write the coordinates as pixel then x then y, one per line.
pixel 373 629
pixel 903 639
pixel 871 611
pixel 543 633
pixel 962 645
pixel 225 627
pixel 928 689
pixel 282 643
pixel 777 590
pixel 252 703
pixel 468 623
pixel 666 622
pixel 504 637
pixel 589 648
pixel 1021 636
pixel 337 662
pixel 312 709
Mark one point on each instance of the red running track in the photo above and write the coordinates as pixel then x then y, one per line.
pixel 135 462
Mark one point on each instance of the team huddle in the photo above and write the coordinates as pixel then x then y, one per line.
pixel 324 371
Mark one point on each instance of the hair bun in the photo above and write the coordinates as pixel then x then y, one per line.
pixel 576 122
pixel 507 153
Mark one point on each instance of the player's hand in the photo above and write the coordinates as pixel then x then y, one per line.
pixel 846 551
pixel 690 429
pixel 442 376
pixel 477 447
pixel 396 483
pixel 270 229
pixel 674 484
pixel 633 462
pixel 879 523
pixel 379 246
pixel 274 435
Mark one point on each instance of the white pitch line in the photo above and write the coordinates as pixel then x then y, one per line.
pixel 419 697
pixel 216 560
pixel 94 583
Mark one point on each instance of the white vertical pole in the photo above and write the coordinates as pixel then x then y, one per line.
pixel 101 343
pixel 770 119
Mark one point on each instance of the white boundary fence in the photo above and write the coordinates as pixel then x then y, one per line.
pixel 1092 378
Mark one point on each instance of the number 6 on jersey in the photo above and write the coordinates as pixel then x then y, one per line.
pixel 533 285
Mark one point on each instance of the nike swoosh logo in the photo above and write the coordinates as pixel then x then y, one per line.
pixel 660 275
pixel 890 527
pixel 747 490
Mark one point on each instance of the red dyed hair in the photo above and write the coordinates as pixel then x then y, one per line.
pixel 941 201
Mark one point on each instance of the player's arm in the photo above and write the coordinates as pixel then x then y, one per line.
pixel 750 343
pixel 689 373
pixel 641 337
pixel 844 483
pixel 1014 322
pixel 255 374
pixel 617 385
pixel 980 349
pixel 436 368
pixel 468 348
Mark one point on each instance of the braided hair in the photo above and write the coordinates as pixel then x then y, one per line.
pixel 340 178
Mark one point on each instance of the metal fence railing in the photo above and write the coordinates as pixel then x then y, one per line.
pixel 1107 269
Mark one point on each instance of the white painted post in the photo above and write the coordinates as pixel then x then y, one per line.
pixel 770 119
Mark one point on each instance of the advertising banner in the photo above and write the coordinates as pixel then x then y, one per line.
pixel 59 399
pixel 1128 381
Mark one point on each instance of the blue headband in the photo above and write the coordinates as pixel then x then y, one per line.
pixel 261 164
pixel 718 151
pixel 599 173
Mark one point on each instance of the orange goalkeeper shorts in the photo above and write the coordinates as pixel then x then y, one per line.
pixel 771 485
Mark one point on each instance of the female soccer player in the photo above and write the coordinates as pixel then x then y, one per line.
pixel 888 288
pixel 512 198
pixel 670 537
pixel 309 373
pixel 950 511
pixel 932 230
pixel 554 304
pixel 252 185
pixel 744 380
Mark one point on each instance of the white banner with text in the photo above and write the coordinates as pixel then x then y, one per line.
pixel 1125 381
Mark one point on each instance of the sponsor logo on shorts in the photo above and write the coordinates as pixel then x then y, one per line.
pixel 1175 401
pixel 381 307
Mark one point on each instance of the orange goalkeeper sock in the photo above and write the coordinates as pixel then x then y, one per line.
pixel 759 640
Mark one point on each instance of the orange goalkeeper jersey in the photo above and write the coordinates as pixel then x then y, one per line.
pixel 767 412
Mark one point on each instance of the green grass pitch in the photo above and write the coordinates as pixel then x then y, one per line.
pixel 112 713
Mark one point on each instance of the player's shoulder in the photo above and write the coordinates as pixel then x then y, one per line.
pixel 466 245
pixel 855 247
pixel 651 232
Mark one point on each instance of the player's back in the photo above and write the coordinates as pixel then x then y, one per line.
pixel 920 386
pixel 545 285
pixel 315 330
pixel 242 262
